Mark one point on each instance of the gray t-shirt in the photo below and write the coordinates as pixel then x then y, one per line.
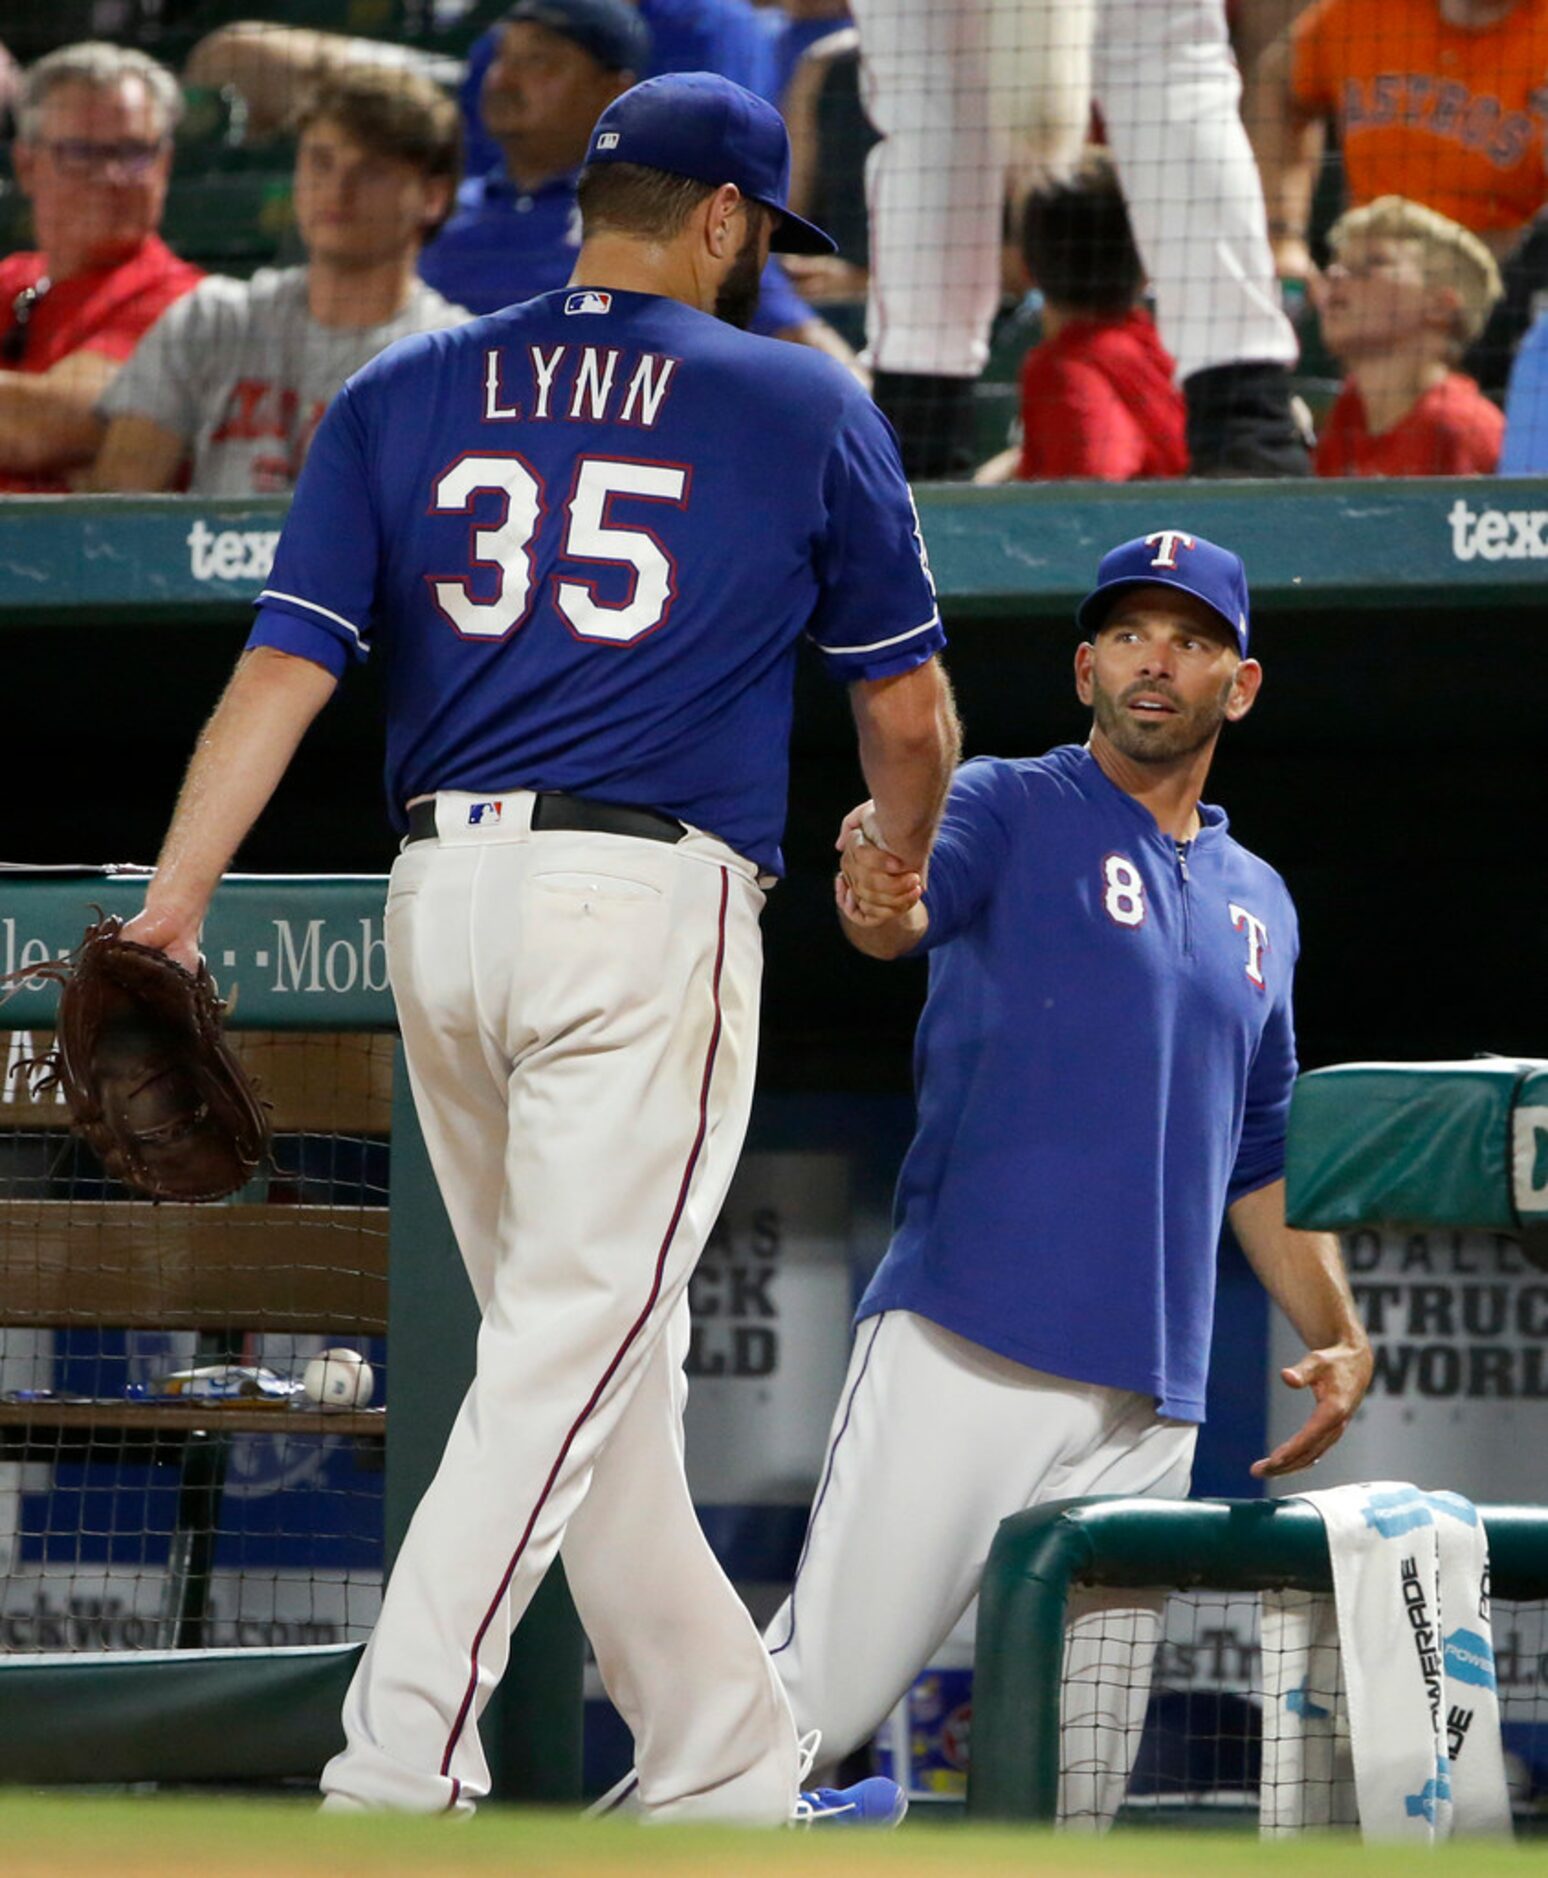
pixel 243 373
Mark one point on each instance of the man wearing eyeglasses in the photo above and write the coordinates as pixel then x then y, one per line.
pixel 93 154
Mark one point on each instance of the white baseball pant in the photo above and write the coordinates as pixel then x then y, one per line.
pixel 949 87
pixel 579 1014
pixel 936 1440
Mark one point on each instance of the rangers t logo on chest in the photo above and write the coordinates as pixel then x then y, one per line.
pixel 1257 941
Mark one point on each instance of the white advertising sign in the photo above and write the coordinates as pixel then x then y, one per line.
pixel 771 1308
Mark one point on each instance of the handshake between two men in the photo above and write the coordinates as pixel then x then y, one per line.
pixel 880 896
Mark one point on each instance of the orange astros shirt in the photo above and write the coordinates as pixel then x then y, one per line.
pixel 1447 116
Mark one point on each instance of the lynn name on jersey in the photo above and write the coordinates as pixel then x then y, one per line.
pixel 588 384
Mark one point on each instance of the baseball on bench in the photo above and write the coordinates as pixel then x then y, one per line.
pixel 339 1379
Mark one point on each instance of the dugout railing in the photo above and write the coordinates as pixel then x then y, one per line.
pixel 303 959
pixel 995 553
pixel 1243 1546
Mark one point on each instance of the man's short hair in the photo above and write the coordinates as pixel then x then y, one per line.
pixel 1077 242
pixel 103 67
pixel 392 113
pixel 1449 256
pixel 630 199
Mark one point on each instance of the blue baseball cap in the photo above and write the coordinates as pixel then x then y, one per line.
pixel 701 125
pixel 1171 557
pixel 610 30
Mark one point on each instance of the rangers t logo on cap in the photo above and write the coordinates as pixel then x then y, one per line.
pixel 1210 573
pixel 1171 540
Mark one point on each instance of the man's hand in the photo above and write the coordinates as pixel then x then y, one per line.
pixel 175 933
pixel 1338 1377
pixel 240 757
pixel 872 886
pixel 1303 1272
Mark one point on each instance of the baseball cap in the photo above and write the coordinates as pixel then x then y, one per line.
pixel 610 30
pixel 1171 557
pixel 701 125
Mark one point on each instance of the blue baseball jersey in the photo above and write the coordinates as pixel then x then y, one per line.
pixel 1104 1062
pixel 587 535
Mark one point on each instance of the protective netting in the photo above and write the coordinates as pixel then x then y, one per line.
pixel 169 1476
pixel 1077 238
pixel 1188 1739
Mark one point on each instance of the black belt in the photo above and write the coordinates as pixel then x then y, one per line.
pixel 552 810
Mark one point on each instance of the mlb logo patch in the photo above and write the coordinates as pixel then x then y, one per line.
pixel 484 814
pixel 589 300
pixel 608 140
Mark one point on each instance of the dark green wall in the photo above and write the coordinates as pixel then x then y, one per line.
pixel 1393 772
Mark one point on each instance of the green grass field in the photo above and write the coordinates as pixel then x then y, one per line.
pixel 59 1834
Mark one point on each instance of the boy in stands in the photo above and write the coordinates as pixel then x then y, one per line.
pixel 1406 293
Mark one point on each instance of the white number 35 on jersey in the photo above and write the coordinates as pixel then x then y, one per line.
pixel 507 546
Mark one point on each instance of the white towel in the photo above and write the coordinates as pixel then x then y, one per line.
pixel 1417 1694
pixel 1308 1771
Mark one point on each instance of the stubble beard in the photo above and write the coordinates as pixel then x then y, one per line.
pixel 1162 739
pixel 737 299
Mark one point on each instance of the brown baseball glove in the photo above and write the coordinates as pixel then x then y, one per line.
pixel 152 1087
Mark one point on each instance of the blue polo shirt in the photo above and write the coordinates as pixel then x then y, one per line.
pixel 504 244
pixel 1104 1062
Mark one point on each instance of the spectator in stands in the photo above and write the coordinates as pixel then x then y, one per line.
pixel 1098 396
pixel 1405 294
pixel 1525 452
pixel 516 231
pixel 1438 101
pixel 93 154
pixel 231 382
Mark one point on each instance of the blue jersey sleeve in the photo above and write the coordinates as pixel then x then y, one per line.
pixel 970 851
pixel 1525 450
pixel 1260 1155
pixel 318 601
pixel 876 613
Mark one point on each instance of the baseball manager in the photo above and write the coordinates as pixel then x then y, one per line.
pixel 1104 1066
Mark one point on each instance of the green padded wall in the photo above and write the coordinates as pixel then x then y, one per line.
pixel 1414 1144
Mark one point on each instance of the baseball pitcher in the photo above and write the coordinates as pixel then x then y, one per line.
pixel 586 535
